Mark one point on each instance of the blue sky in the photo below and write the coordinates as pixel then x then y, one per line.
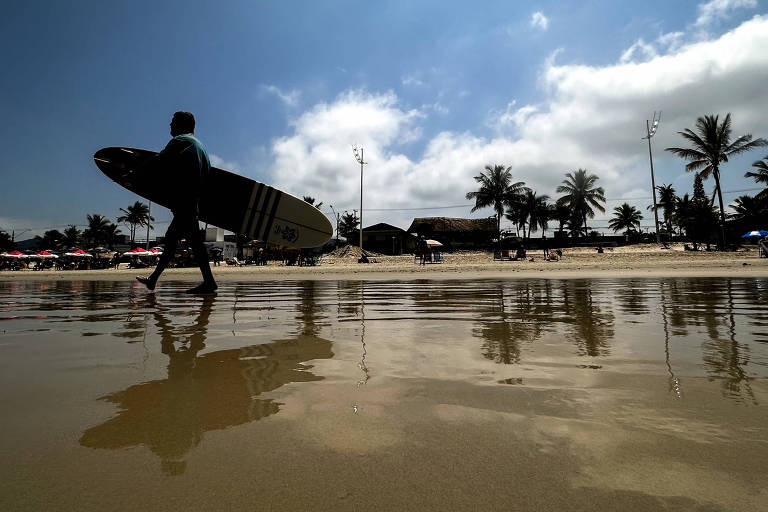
pixel 432 90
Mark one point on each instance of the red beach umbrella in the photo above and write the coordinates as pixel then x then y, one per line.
pixel 138 251
pixel 81 253
pixel 45 254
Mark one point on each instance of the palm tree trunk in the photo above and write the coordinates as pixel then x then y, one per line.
pixel 722 210
pixel 498 228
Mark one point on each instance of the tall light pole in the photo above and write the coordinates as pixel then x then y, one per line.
pixel 336 215
pixel 359 157
pixel 650 131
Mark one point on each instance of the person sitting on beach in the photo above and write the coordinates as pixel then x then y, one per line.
pixel 182 167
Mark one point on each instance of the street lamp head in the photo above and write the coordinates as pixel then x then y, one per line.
pixel 358 154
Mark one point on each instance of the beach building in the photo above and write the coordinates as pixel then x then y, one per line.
pixel 456 233
pixel 216 237
pixel 386 239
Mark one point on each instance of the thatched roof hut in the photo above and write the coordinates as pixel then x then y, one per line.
pixel 456 233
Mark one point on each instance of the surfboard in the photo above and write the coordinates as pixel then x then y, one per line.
pixel 230 201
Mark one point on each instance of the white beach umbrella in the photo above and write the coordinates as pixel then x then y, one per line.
pixel 79 254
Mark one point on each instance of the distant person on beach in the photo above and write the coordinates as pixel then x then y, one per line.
pixel 545 246
pixel 423 249
pixel 182 169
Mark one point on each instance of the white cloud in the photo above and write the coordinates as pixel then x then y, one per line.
pixel 411 80
pixel 646 50
pixel 709 13
pixel 671 41
pixel 591 117
pixel 217 161
pixel 538 20
pixel 290 98
pixel 715 10
pixel 511 118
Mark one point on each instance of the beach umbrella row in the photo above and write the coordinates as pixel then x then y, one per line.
pixel 21 255
pixel 14 254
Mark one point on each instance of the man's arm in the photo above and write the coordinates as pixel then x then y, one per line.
pixel 154 166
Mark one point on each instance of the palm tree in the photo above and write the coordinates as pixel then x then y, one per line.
pixel 97 227
pixel 71 237
pixel 532 210
pixel 497 191
pixel 625 217
pixel 696 217
pixel 110 233
pixel 712 146
pixel 667 204
pixel 582 197
pixel 136 215
pixel 516 215
pixel 51 239
pixel 750 211
pixel 348 225
pixel 6 241
pixel 685 216
pixel 761 176
pixel 311 200
pixel 561 213
pixel 575 224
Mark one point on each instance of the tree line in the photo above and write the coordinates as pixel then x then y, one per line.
pixel 696 216
pixel 99 231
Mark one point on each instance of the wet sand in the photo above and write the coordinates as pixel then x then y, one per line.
pixel 631 261
pixel 420 394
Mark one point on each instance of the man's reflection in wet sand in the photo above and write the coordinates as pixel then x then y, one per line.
pixel 202 392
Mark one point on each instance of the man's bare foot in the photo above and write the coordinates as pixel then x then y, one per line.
pixel 204 288
pixel 146 281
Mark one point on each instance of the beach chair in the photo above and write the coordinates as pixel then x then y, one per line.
pixel 763 249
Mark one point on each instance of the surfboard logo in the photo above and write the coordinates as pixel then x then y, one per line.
pixel 287 233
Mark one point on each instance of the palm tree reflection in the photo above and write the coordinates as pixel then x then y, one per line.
pixel 728 359
pixel 205 392
pixel 592 324
pixel 519 312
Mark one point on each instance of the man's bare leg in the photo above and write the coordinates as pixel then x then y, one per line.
pixel 201 256
pixel 171 239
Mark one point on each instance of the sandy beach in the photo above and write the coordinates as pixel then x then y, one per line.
pixel 581 262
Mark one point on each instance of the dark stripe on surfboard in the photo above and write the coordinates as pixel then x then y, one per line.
pixel 255 231
pixel 272 213
pixel 249 209
pixel 253 208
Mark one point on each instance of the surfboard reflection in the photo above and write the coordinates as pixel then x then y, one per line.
pixel 205 392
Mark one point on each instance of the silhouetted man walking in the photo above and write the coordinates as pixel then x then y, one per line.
pixel 182 169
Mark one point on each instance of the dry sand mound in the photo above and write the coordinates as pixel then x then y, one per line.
pixel 350 252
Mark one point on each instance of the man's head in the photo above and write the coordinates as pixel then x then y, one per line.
pixel 182 122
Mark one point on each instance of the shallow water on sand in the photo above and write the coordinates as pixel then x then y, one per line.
pixel 609 394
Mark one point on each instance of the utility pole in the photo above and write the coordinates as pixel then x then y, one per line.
pixel 13 234
pixel 359 158
pixel 650 131
pixel 149 213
